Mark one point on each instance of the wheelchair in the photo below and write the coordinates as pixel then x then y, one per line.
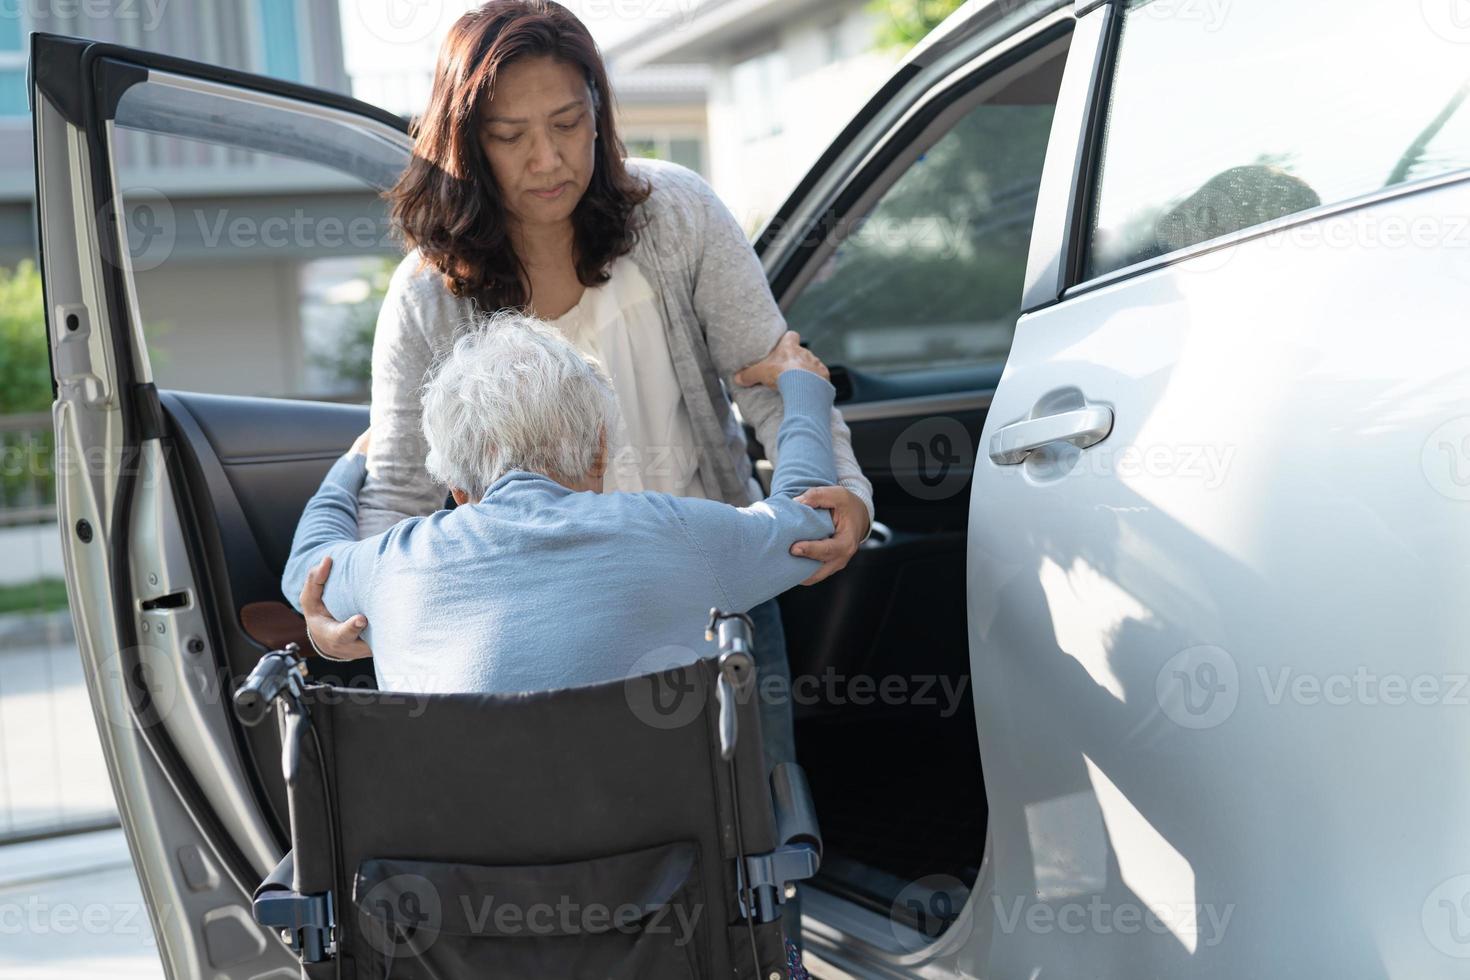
pixel 621 830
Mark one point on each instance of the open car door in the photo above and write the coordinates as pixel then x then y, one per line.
pixel 177 510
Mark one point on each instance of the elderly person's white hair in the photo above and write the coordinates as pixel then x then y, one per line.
pixel 512 394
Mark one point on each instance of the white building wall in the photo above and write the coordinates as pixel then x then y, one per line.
pixel 225 327
pixel 832 69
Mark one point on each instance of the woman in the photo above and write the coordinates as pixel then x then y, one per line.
pixel 518 196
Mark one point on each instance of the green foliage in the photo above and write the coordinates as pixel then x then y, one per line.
pixel 348 355
pixel 26 478
pixel 25 372
pixel 42 595
pixel 941 259
pixel 906 22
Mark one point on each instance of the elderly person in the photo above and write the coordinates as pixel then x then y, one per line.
pixel 538 579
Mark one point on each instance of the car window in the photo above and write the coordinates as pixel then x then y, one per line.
pixel 255 273
pixel 1224 117
pixel 932 275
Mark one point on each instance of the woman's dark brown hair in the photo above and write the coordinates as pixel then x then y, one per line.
pixel 447 203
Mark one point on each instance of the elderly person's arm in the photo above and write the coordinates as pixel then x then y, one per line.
pixel 327 533
pixel 742 322
pixel 750 549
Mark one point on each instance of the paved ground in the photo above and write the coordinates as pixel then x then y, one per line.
pixel 51 769
pixel 70 910
pixel 69 906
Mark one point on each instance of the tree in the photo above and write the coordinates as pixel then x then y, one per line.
pixel 347 352
pixel 25 386
pixel 25 372
pixel 906 22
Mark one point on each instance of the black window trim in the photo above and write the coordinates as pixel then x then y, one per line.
pixel 1062 202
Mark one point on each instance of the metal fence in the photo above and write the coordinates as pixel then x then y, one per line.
pixel 52 777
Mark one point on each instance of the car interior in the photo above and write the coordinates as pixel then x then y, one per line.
pixel 897 782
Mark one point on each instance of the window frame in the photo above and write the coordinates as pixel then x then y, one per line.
pixel 1090 103
pixel 942 105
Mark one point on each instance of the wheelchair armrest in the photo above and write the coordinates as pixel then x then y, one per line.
pixel 305 922
pixel 771 878
pixel 796 814
pixel 279 880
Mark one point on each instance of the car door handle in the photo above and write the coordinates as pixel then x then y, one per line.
pixel 1082 427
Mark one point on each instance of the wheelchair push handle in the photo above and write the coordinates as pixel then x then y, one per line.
pixel 278 673
pixel 737 670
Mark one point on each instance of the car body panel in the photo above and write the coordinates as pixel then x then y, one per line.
pixel 1213 651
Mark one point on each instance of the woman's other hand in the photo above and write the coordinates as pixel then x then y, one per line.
pixel 787 355
pixel 850 526
pixel 333 640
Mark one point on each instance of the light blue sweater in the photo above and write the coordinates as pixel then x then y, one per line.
pixel 537 587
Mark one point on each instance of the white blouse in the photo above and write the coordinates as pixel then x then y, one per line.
pixel 653 447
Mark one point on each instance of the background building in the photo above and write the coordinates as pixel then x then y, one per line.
pixel 255 271
pixel 785 76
